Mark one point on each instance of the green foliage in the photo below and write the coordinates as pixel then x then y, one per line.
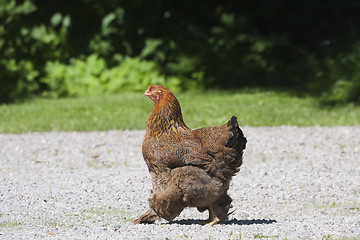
pixel 25 45
pixel 339 77
pixel 92 77
pixel 12 69
pixel 48 48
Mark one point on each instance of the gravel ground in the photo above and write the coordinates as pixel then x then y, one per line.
pixel 295 183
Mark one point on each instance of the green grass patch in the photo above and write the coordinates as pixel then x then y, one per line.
pixel 10 224
pixel 344 238
pixel 260 236
pixel 130 111
pixel 233 236
pixel 95 212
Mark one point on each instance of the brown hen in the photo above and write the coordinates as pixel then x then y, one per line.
pixel 189 168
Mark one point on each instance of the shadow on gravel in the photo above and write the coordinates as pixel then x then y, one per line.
pixel 230 222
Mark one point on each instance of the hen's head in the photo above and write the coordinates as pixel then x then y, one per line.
pixel 166 114
pixel 156 93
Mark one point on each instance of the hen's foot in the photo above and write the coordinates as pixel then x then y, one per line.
pixel 216 220
pixel 213 219
pixel 203 222
pixel 149 217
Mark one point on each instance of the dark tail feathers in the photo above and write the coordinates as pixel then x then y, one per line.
pixel 236 146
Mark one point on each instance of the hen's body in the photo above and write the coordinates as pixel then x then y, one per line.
pixel 189 168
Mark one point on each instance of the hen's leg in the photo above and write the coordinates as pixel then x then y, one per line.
pixel 203 222
pixel 222 206
pixel 148 217
pixel 213 219
pixel 218 211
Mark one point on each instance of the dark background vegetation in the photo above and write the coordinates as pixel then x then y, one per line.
pixel 85 47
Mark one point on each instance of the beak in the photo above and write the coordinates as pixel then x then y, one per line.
pixel 147 92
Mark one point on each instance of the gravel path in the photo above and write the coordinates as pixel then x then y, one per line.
pixel 295 183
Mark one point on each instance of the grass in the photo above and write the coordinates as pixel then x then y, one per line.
pixel 10 224
pixel 345 238
pixel 95 212
pixel 260 236
pixel 129 111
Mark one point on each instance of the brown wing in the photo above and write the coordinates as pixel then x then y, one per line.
pixel 174 150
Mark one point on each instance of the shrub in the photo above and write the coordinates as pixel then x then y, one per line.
pixel 92 77
pixel 338 78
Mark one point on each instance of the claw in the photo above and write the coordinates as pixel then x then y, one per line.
pixel 231 212
pixel 215 221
